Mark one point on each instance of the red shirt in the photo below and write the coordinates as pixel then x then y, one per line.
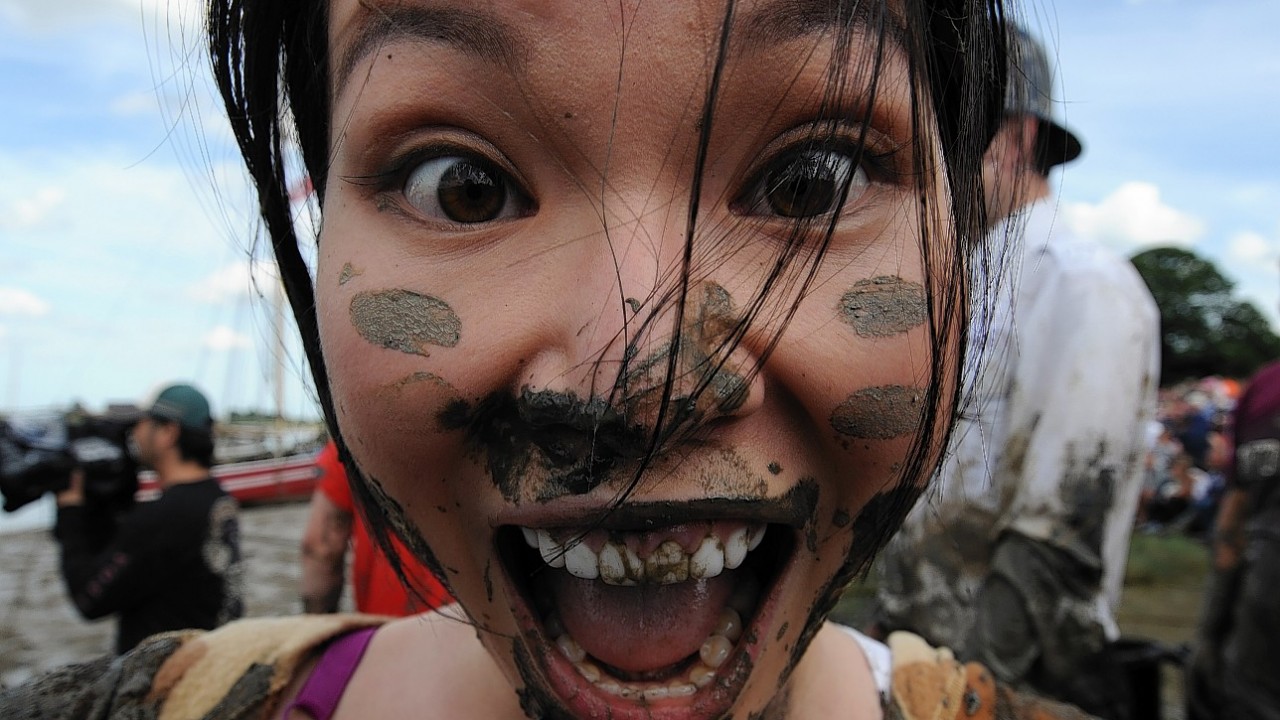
pixel 377 589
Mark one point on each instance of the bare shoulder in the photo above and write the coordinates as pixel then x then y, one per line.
pixel 835 678
pixel 428 666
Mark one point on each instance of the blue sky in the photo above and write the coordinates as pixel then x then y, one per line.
pixel 125 265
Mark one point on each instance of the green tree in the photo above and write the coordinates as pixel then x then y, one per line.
pixel 1203 329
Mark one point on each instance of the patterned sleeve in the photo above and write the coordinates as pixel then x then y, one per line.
pixel 239 670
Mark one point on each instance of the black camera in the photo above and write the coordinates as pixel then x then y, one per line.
pixel 38 455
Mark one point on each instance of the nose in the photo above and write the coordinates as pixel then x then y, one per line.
pixel 650 331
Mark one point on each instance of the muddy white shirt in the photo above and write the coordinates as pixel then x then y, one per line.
pixel 1051 440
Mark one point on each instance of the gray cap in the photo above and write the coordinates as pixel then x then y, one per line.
pixel 1030 92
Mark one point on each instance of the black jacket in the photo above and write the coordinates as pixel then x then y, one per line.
pixel 174 563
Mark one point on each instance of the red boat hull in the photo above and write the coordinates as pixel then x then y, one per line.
pixel 285 478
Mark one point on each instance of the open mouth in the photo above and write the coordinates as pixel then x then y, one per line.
pixel 650 620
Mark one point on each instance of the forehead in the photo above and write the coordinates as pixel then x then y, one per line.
pixel 622 71
pixel 507 31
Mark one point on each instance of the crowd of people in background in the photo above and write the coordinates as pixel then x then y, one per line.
pixel 1189 455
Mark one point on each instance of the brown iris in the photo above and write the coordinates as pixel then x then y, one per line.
pixel 471 192
pixel 806 184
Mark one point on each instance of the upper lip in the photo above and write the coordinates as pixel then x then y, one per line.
pixel 794 508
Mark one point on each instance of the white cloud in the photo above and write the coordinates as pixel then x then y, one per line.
pixel 1253 248
pixel 1133 217
pixel 241 279
pixel 47 16
pixel 224 338
pixel 31 210
pixel 14 301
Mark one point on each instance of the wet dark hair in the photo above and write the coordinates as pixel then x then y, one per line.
pixel 271 62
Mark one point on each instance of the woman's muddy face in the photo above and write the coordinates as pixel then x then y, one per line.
pixel 500 297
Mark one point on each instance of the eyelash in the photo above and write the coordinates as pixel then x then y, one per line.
pixel 394 183
pixel 869 169
pixel 799 199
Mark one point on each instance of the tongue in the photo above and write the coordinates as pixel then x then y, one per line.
pixel 640 629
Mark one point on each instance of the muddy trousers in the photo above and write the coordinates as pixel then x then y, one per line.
pixel 1036 628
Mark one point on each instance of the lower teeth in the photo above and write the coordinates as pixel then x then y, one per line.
pixel 712 655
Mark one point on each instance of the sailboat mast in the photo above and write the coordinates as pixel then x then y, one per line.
pixel 277 379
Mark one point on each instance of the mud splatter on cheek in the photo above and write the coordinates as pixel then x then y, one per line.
pixel 841 519
pixel 405 321
pixel 880 413
pixel 396 516
pixel 348 273
pixel 883 306
pixel 881 517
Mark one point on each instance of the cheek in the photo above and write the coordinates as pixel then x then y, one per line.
pixel 391 368
pixel 860 365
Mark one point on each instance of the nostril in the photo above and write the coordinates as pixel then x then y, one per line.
pixel 563 445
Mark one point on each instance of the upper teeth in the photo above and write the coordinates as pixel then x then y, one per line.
pixel 618 564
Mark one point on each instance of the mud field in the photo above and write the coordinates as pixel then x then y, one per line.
pixel 39 628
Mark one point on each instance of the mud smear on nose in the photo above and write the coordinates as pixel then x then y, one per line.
pixel 880 413
pixel 701 370
pixel 405 321
pixel 883 306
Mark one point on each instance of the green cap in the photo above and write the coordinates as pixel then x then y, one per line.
pixel 184 405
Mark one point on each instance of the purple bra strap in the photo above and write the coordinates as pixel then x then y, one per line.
pixel 322 691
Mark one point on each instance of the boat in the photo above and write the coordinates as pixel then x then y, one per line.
pixel 290 477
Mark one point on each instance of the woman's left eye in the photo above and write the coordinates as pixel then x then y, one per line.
pixel 804 184
pixel 464 189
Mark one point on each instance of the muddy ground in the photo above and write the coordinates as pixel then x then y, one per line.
pixel 39 628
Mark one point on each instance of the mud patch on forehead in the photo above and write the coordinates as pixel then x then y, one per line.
pixel 405 321
pixel 880 413
pixel 883 306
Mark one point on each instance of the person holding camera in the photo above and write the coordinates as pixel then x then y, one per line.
pixel 171 563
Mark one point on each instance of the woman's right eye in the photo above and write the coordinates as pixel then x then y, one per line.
pixel 464 189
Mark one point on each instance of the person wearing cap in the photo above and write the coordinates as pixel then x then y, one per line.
pixel 172 563
pixel 1015 558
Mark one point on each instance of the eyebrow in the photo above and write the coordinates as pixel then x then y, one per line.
pixel 783 20
pixel 473 32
